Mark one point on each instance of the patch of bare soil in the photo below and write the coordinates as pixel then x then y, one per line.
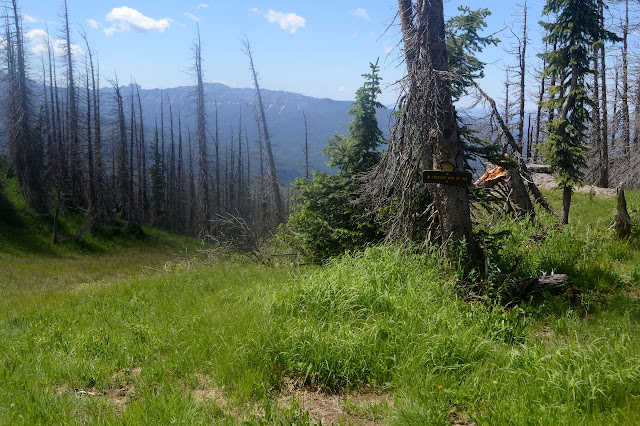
pixel 366 407
pixel 459 419
pixel 545 180
pixel 545 334
pixel 207 391
pixel 121 392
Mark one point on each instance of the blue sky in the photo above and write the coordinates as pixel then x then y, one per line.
pixel 317 48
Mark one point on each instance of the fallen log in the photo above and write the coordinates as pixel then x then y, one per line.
pixel 520 288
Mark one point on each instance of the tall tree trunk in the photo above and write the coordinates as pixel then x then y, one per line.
pixel 636 125
pixel 522 63
pixel 603 178
pixel 452 202
pixel 306 144
pixel 72 114
pixel 273 177
pixel 171 173
pixel 218 208
pixel 201 132
pixel 614 127
pixel 180 184
pixel 144 189
pixel 539 109
pixel 626 138
pixel 596 130
pixel 122 173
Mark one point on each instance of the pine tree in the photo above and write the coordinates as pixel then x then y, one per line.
pixel 325 220
pixel 574 32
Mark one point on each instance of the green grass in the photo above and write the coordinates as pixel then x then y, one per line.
pixel 136 331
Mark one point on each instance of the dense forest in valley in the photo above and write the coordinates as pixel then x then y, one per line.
pixel 208 255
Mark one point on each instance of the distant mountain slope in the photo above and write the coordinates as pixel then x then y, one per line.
pixel 284 118
pixel 326 117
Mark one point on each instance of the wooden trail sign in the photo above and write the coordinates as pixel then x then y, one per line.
pixel 446 178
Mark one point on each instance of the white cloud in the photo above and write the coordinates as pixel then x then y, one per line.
pixel 341 89
pixel 203 6
pixel 29 18
pixel 289 22
pixel 192 16
pixel 127 19
pixel 360 13
pixel 93 23
pixel 38 39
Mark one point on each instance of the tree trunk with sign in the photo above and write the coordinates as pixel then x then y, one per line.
pixel 425 51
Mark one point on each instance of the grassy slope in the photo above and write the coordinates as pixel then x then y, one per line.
pixel 197 340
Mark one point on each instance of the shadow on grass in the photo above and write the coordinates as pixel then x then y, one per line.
pixel 17 236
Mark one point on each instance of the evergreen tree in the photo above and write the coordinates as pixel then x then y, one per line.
pixel 463 42
pixel 358 152
pixel 326 221
pixel 575 31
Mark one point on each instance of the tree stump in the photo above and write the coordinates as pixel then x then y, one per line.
pixel 622 221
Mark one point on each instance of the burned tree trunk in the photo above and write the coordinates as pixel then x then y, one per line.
pixel 603 178
pixel 622 221
pixel 204 212
pixel 273 178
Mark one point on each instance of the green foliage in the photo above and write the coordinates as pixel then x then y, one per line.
pixel 463 42
pixel 326 220
pixel 358 152
pixel 141 332
pixel 576 29
pixel 567 155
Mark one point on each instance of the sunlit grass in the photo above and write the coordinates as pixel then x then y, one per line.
pixel 123 330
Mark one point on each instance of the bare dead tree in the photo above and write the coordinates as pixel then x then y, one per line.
pixel 217 209
pixel 596 129
pixel 181 185
pixel 626 135
pixel 201 135
pixel 541 93
pixel 171 172
pixel 306 143
pixel 522 63
pixel 272 174
pixel 143 187
pixel 25 148
pixel 123 195
pixel 603 179
pixel 520 195
pixel 72 111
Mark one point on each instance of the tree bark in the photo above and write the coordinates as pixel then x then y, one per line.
pixel 273 177
pixel 452 202
pixel 622 221
pixel 626 139
pixel 603 178
pixel 522 60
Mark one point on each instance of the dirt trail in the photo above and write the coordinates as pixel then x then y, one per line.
pixel 547 181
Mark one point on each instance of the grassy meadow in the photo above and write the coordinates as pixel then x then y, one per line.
pixel 158 329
